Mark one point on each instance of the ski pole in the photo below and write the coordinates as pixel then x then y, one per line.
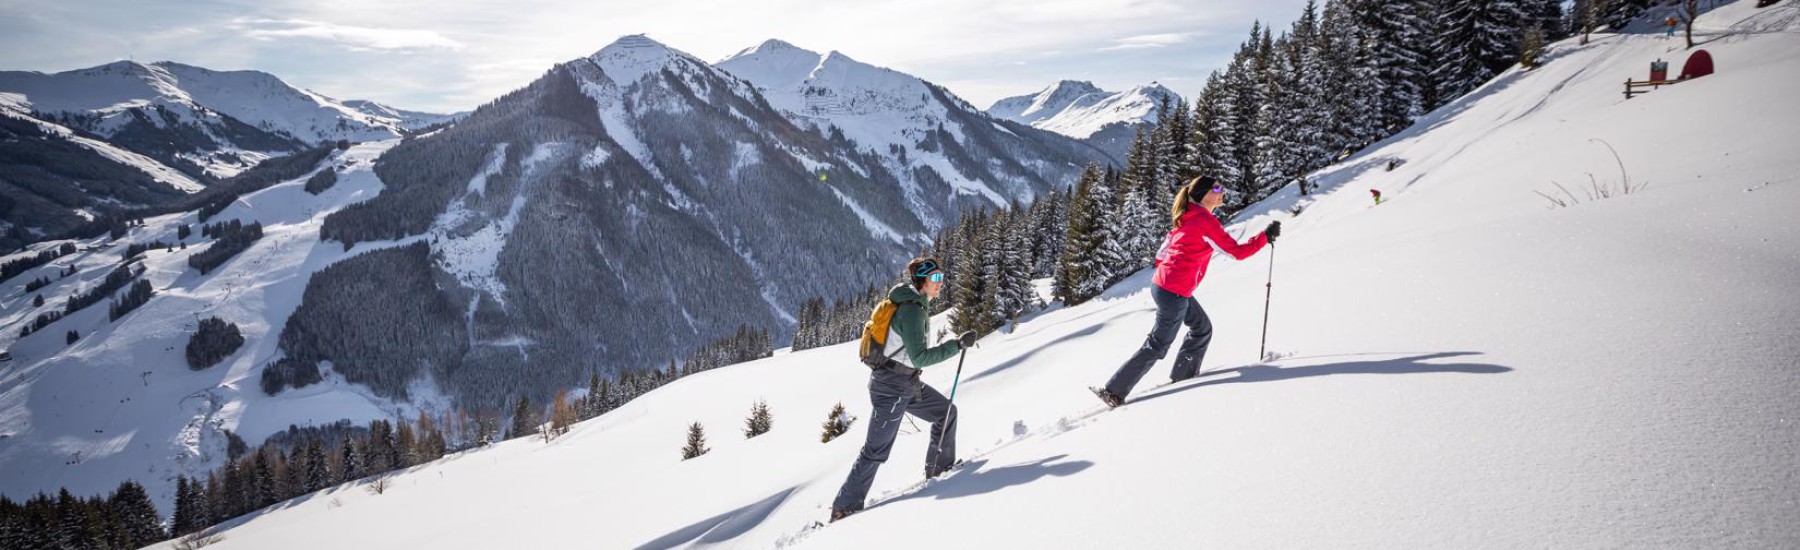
pixel 939 451
pixel 1268 290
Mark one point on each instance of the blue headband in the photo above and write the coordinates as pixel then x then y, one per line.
pixel 925 268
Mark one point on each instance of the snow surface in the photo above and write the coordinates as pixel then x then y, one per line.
pixel 123 397
pixel 1080 109
pixel 1462 366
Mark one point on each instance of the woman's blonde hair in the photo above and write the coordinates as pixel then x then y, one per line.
pixel 1184 197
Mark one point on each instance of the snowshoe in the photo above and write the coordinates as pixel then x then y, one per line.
pixel 933 473
pixel 837 514
pixel 1111 399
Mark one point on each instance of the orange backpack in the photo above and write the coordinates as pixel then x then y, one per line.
pixel 874 335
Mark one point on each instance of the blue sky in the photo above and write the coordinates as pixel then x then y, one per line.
pixel 447 55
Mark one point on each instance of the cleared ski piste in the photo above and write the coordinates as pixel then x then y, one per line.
pixel 1461 366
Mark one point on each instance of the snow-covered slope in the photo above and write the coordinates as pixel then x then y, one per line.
pixel 121 402
pixel 256 98
pixel 1081 109
pixel 1462 366
pixel 411 120
pixel 15 106
pixel 55 180
pixel 911 124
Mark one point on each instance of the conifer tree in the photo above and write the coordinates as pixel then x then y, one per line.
pixel 1079 262
pixel 836 423
pixel 696 442
pixel 136 516
pixel 524 419
pixel 759 421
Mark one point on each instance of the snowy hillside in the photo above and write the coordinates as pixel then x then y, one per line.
pixel 255 98
pixel 1465 365
pixel 16 107
pixel 1080 109
pixel 219 122
pixel 410 120
pixel 903 120
pixel 121 402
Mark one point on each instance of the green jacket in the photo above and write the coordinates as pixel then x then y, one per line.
pixel 910 324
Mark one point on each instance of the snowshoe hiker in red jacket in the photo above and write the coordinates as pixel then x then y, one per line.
pixel 1180 266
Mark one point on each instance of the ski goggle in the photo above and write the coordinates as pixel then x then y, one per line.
pixel 930 271
pixel 1218 189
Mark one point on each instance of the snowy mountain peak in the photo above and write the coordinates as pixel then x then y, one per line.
pixel 1080 109
pixel 881 109
pixel 629 58
pixel 1070 88
pixel 772 46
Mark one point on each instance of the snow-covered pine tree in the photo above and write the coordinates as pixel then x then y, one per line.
pixel 350 462
pixel 135 516
pixel 318 475
pixel 1209 126
pixel 1110 254
pixel 1478 39
pixel 759 421
pixel 696 442
pixel 1243 81
pixel 1548 15
pixel 1351 85
pixel 1049 230
pixel 1139 223
pixel 1080 261
pixel 1275 132
pixel 1309 142
pixel 1012 282
pixel 971 294
pixel 1177 135
pixel 1619 13
pixel 1399 46
pixel 263 483
pixel 992 310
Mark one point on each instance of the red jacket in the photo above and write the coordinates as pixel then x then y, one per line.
pixel 1185 251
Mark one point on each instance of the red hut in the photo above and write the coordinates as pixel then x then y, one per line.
pixel 1698 65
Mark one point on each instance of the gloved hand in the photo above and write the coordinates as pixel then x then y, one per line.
pixel 1273 231
pixel 966 339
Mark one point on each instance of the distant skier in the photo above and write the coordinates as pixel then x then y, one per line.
pixel 895 388
pixel 1671 23
pixel 1377 194
pixel 1180 265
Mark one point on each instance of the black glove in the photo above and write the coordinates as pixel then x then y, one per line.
pixel 1273 231
pixel 966 339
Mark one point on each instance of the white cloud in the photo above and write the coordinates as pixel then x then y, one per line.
pixel 359 38
pixel 1144 41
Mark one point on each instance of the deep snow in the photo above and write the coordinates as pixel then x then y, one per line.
pixel 1461 366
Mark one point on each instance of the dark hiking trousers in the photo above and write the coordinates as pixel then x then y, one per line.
pixel 1172 311
pixel 895 395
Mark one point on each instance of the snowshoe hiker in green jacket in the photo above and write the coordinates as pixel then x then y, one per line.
pixel 895 389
